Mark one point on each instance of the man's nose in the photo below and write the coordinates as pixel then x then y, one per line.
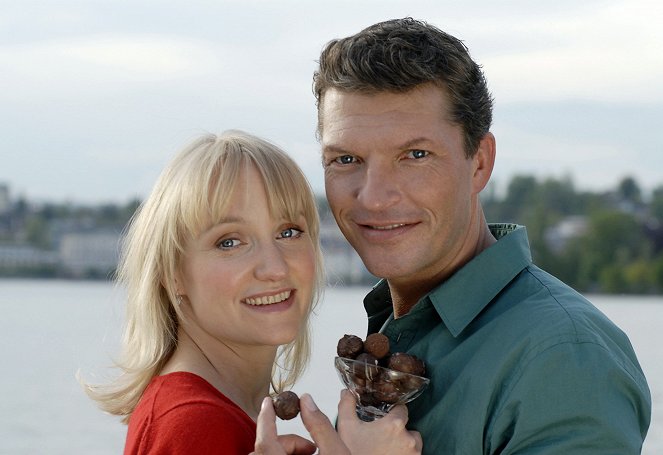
pixel 379 188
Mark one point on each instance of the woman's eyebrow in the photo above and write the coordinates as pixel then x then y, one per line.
pixel 225 220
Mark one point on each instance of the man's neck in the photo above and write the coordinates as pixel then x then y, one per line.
pixel 406 293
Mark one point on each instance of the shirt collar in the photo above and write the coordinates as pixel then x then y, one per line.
pixel 460 298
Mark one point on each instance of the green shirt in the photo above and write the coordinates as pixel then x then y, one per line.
pixel 518 361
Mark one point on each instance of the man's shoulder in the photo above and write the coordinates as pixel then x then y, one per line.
pixel 553 310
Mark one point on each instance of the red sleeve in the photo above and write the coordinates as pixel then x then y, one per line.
pixel 199 429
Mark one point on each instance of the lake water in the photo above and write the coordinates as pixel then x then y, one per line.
pixel 49 330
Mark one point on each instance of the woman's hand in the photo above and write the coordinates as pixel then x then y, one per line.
pixel 321 429
pixel 268 442
pixel 386 435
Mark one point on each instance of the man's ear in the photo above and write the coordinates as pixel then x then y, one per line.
pixel 483 162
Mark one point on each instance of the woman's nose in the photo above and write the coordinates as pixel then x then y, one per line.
pixel 271 265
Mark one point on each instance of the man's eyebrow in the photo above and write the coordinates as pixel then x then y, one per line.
pixel 410 143
pixel 414 142
pixel 331 148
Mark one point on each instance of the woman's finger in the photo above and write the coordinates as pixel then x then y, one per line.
pixel 320 427
pixel 267 442
pixel 294 444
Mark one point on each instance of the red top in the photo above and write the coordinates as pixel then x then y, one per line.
pixel 181 413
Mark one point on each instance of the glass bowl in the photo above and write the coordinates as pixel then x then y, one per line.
pixel 376 388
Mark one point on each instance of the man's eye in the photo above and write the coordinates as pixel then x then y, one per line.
pixel 416 154
pixel 291 232
pixel 227 243
pixel 345 159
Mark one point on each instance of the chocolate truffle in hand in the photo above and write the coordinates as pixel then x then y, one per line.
pixel 350 346
pixel 286 405
pixel 377 344
pixel 407 363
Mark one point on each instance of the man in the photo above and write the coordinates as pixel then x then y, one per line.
pixel 518 361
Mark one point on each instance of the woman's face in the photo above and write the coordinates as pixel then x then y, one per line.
pixel 249 278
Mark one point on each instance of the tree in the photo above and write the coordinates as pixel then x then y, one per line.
pixel 628 190
pixel 37 232
pixel 613 240
pixel 656 204
pixel 520 193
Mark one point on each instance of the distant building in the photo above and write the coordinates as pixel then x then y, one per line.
pixel 21 257
pixel 89 254
pixel 559 235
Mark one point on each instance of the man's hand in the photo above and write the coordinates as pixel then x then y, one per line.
pixel 386 435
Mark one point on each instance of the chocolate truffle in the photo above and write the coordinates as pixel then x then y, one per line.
pixel 407 363
pixel 386 390
pixel 377 344
pixel 350 346
pixel 286 405
pixel 368 368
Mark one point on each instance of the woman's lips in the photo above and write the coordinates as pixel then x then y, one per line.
pixel 268 299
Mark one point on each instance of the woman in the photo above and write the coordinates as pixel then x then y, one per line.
pixel 222 266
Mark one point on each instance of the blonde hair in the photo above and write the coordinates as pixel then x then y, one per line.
pixel 190 192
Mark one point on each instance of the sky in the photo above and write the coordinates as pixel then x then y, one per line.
pixel 97 96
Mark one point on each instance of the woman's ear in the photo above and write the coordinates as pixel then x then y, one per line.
pixel 176 284
pixel 483 160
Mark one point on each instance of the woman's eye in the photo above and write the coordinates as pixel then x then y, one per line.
pixel 417 154
pixel 227 243
pixel 291 232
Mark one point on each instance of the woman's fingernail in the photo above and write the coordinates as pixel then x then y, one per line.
pixel 265 402
pixel 307 401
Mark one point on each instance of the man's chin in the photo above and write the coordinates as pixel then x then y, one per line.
pixel 386 269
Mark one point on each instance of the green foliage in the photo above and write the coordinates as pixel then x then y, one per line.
pixel 629 190
pixel 656 205
pixel 37 233
pixel 617 251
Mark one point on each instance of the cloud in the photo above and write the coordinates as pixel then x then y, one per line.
pixel 101 97
pixel 611 54
pixel 102 62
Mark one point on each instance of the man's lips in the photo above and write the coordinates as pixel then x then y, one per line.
pixel 383 232
pixel 382 225
pixel 387 227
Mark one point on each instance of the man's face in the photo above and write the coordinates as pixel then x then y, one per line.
pixel 398 182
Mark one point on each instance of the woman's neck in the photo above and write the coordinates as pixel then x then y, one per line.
pixel 242 376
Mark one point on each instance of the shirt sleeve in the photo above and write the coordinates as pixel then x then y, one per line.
pixel 200 428
pixel 573 398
